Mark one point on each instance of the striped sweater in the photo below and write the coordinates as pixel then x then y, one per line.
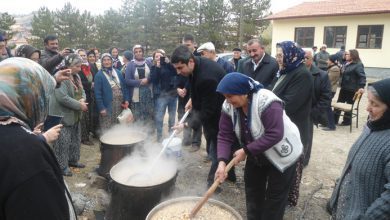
pixel 368 163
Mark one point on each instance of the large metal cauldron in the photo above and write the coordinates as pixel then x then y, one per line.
pixel 193 200
pixel 135 202
pixel 113 152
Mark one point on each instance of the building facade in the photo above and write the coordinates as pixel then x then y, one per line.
pixel 358 24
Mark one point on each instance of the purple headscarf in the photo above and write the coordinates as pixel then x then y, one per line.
pixel 293 56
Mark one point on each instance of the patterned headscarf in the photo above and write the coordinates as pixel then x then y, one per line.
pixel 25 88
pixel 108 70
pixel 293 56
pixel 238 84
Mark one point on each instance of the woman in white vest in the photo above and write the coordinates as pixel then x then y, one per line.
pixel 256 117
pixel 138 81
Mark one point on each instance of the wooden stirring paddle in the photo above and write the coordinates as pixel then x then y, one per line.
pixel 209 192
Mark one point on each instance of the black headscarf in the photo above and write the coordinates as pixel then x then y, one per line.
pixel 382 87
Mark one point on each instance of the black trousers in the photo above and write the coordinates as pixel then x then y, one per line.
pixel 190 136
pixel 344 96
pixel 266 189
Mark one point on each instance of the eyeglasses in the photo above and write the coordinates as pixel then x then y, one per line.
pixel 307 58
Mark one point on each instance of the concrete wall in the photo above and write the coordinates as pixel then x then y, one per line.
pixel 379 58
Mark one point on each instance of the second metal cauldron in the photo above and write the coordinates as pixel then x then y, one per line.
pixel 115 145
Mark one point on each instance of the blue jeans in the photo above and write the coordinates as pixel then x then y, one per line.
pixel 164 102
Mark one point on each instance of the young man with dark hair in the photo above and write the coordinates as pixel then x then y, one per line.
pixel 191 136
pixel 51 56
pixel 204 76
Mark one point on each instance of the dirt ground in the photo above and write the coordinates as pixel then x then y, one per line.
pixel 329 152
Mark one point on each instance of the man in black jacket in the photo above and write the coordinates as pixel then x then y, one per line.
pixel 191 136
pixel 322 97
pixel 51 56
pixel 261 67
pixel 204 76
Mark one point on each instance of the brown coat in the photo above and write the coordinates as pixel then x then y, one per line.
pixel 334 77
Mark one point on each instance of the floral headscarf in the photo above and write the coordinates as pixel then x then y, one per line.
pixel 25 88
pixel 293 56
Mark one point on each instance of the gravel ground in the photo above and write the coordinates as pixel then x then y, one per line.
pixel 330 149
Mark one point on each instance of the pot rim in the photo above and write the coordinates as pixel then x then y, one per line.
pixel 173 177
pixel 192 198
pixel 128 144
pixel 121 145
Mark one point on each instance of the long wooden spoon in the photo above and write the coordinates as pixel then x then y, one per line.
pixel 209 192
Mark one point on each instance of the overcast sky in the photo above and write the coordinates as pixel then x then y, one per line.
pixel 96 6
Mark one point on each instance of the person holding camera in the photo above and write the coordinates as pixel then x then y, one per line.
pixel 163 75
pixel 51 56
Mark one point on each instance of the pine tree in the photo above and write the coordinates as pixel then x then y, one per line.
pixel 247 19
pixel 214 14
pixel 42 25
pixel 87 32
pixel 108 28
pixel 180 19
pixel 67 26
pixel 6 21
pixel 147 24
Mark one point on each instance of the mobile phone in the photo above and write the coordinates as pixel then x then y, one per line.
pixel 51 121
pixel 162 60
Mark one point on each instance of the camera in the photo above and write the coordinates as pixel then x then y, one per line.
pixel 70 50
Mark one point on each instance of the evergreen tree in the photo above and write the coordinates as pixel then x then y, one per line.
pixel 248 19
pixel 6 21
pixel 180 19
pixel 153 24
pixel 42 25
pixel 67 26
pixel 87 31
pixel 212 27
pixel 126 11
pixel 108 28
pixel 147 24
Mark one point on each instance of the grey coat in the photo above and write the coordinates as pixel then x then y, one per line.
pixel 368 163
pixel 63 103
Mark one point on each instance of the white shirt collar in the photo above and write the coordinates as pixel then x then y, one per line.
pixel 256 65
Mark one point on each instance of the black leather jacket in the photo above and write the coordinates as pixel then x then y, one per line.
pixel 353 77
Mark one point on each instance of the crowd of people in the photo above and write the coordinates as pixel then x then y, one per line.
pixel 240 106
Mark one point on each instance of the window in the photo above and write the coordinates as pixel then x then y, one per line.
pixel 304 36
pixel 334 37
pixel 369 36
